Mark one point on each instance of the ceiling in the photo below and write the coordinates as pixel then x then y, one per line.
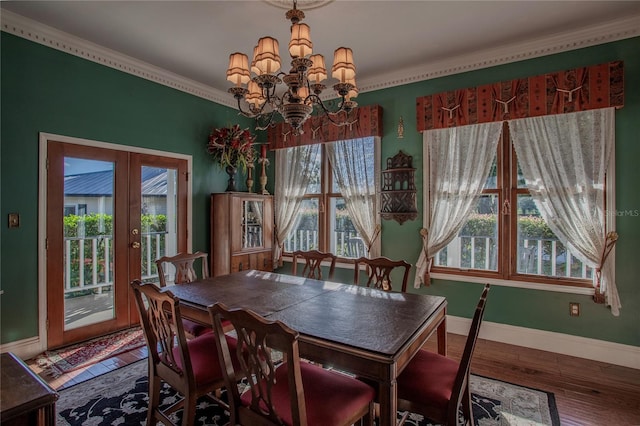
pixel 392 41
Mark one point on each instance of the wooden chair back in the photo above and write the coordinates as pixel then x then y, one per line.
pixel 260 345
pixel 184 265
pixel 313 263
pixel 379 272
pixel 461 383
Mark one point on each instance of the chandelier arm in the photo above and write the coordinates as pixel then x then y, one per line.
pixel 269 123
pixel 250 114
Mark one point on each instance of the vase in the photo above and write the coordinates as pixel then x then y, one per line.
pixel 231 183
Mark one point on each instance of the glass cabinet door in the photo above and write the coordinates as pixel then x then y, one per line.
pixel 252 229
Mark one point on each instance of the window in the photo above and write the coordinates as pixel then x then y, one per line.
pixel 505 236
pixel 323 221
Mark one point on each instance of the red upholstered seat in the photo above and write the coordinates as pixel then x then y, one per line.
pixel 322 389
pixel 428 379
pixel 204 360
pixel 436 386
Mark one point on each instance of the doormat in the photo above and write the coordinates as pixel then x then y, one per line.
pixel 121 397
pixel 70 358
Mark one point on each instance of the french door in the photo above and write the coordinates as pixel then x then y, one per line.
pixel 110 214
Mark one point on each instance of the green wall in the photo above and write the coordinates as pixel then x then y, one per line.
pixel 44 90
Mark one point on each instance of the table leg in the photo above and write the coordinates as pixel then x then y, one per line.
pixel 388 398
pixel 442 337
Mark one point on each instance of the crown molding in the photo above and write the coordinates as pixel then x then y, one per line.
pixel 560 42
pixel 39 33
pixel 590 36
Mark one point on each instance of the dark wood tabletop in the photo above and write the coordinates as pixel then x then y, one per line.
pixel 368 332
pixel 25 399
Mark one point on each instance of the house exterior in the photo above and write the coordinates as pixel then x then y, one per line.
pixel 103 103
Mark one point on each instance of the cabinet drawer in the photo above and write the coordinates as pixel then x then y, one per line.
pixel 264 261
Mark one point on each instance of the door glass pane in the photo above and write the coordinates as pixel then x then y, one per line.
pixel 476 245
pixel 304 235
pixel 539 250
pixel 158 220
pixel 345 239
pixel 88 242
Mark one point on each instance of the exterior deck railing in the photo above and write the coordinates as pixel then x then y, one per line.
pixel 537 256
pixel 95 271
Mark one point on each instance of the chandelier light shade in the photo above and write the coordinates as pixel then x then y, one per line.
pixel 238 72
pixel 304 82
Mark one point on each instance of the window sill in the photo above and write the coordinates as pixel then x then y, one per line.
pixel 589 291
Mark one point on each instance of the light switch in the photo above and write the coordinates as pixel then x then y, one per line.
pixel 14 220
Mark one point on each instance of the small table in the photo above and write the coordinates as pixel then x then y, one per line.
pixel 25 399
pixel 368 332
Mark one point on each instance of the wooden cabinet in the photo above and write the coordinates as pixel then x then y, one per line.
pixel 241 232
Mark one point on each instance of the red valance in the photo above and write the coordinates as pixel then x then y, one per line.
pixel 361 122
pixel 596 86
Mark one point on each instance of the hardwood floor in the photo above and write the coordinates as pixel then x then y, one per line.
pixel 586 392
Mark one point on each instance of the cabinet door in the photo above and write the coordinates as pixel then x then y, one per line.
pixel 240 263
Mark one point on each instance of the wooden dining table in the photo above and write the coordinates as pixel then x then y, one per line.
pixel 370 333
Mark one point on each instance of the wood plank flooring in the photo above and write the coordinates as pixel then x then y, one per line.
pixel 588 393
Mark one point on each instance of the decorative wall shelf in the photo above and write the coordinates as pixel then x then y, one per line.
pixel 398 189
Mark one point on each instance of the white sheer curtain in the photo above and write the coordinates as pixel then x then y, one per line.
pixel 564 160
pixel 456 162
pixel 293 169
pixel 356 166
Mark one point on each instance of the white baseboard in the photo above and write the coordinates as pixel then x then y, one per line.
pixel 24 349
pixel 581 347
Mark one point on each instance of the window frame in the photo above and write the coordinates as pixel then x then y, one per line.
pixel 507 234
pixel 327 193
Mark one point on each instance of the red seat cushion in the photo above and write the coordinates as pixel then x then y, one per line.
pixel 204 357
pixel 428 380
pixel 195 328
pixel 330 398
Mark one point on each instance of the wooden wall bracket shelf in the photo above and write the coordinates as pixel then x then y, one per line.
pixel 398 189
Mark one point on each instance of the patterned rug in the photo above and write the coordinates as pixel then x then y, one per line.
pixel 120 398
pixel 58 362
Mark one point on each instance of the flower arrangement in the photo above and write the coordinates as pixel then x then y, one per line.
pixel 232 146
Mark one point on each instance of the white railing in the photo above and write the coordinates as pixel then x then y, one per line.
pixel 537 256
pixel 99 260
pixel 347 244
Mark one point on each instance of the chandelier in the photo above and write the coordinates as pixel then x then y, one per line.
pixel 304 82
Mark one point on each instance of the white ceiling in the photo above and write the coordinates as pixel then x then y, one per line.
pixel 391 40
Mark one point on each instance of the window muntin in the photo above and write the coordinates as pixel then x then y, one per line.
pixel 506 237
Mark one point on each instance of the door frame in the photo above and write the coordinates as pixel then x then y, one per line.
pixel 40 344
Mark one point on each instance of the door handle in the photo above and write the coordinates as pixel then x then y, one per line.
pixel 135 245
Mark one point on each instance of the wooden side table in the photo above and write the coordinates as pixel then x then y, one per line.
pixel 25 399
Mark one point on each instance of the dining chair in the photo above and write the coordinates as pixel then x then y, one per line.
pixel 379 272
pixel 436 386
pixel 184 266
pixel 191 367
pixel 313 263
pixel 290 392
pixel 185 272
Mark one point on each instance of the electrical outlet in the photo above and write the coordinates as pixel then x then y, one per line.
pixel 574 309
pixel 14 220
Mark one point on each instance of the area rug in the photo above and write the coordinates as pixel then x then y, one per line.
pixel 120 398
pixel 58 362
